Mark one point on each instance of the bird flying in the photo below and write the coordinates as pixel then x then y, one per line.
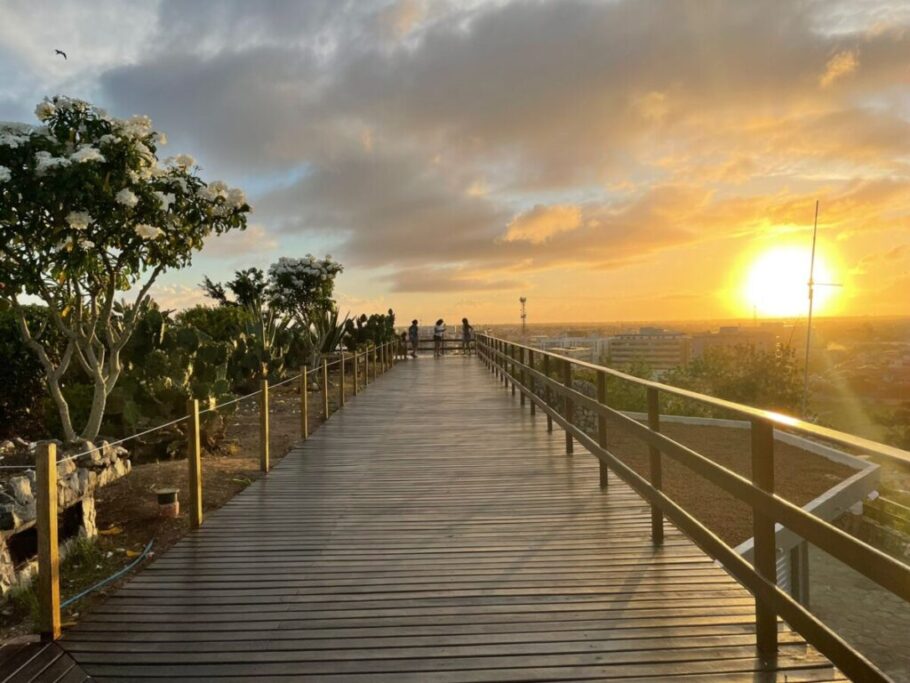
pixel 61 52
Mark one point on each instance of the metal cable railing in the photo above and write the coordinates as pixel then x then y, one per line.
pixel 364 367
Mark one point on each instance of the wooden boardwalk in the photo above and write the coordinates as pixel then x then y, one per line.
pixel 432 531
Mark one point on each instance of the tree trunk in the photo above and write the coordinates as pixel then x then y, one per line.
pixel 99 403
pixel 63 409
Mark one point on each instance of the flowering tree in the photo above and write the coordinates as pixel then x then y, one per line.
pixel 302 288
pixel 87 212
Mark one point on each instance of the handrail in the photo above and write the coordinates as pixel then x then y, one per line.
pixel 507 359
pixel 750 412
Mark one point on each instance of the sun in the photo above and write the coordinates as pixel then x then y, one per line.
pixel 777 281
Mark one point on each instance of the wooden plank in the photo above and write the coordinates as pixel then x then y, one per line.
pixel 432 531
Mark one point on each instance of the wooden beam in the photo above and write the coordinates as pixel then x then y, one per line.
pixel 194 460
pixel 48 544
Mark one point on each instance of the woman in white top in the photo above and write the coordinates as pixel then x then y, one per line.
pixel 439 333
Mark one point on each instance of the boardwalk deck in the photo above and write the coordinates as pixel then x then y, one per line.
pixel 432 531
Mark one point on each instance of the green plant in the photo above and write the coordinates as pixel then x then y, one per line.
pixel 86 213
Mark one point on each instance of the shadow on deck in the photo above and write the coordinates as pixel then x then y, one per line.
pixel 433 531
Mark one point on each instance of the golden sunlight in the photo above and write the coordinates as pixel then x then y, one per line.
pixel 777 282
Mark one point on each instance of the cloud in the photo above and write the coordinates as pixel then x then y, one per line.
pixel 237 244
pixel 480 145
pixel 542 222
pixel 840 65
pixel 449 280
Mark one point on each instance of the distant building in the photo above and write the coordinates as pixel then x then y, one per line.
pixel 591 349
pixel 728 338
pixel 654 346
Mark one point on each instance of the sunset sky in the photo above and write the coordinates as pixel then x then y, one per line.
pixel 608 160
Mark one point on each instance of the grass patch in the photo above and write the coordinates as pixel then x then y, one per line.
pixel 86 563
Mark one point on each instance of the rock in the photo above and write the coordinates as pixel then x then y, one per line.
pixel 20 488
pixel 65 468
pixel 7 447
pixel 8 520
pixel 21 443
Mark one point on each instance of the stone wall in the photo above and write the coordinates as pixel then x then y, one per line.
pixel 76 483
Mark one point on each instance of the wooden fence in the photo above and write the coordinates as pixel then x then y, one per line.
pixel 546 380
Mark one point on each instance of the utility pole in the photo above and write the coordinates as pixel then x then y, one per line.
pixel 805 412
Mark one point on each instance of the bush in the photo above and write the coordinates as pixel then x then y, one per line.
pixel 22 389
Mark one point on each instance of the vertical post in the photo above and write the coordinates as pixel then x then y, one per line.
pixel 194 458
pixel 569 405
pixel 356 373
pixel 304 406
pixel 654 465
pixel 521 372
pixel 264 425
pixel 512 371
pixel 765 560
pixel 341 380
pixel 546 390
pixel 532 394
pixel 602 426
pixel 48 548
pixel 366 368
pixel 325 388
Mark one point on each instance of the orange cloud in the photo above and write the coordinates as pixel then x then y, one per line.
pixel 840 65
pixel 543 222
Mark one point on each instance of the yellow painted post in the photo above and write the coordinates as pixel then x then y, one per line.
pixel 304 405
pixel 325 389
pixel 356 373
pixel 264 425
pixel 48 548
pixel 194 458
pixel 341 380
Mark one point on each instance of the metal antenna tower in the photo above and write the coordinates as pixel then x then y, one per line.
pixel 524 317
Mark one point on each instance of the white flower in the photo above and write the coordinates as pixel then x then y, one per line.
pixel 137 126
pixel 67 244
pixel 86 153
pixel 160 139
pixel 184 161
pixel 107 139
pixel 79 220
pixel 236 197
pixel 45 110
pixel 86 244
pixel 127 197
pixel 45 161
pixel 5 174
pixel 148 232
pixel 166 199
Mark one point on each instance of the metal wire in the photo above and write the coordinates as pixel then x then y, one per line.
pixel 128 438
pixel 177 421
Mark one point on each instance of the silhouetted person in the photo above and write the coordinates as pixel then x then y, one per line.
pixel 467 335
pixel 439 333
pixel 414 336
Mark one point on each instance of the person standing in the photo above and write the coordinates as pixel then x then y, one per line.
pixel 414 337
pixel 439 334
pixel 467 335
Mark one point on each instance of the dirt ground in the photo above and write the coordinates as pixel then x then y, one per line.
pixel 799 476
pixel 127 509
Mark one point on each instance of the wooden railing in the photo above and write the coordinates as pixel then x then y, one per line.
pixel 363 367
pixel 531 372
